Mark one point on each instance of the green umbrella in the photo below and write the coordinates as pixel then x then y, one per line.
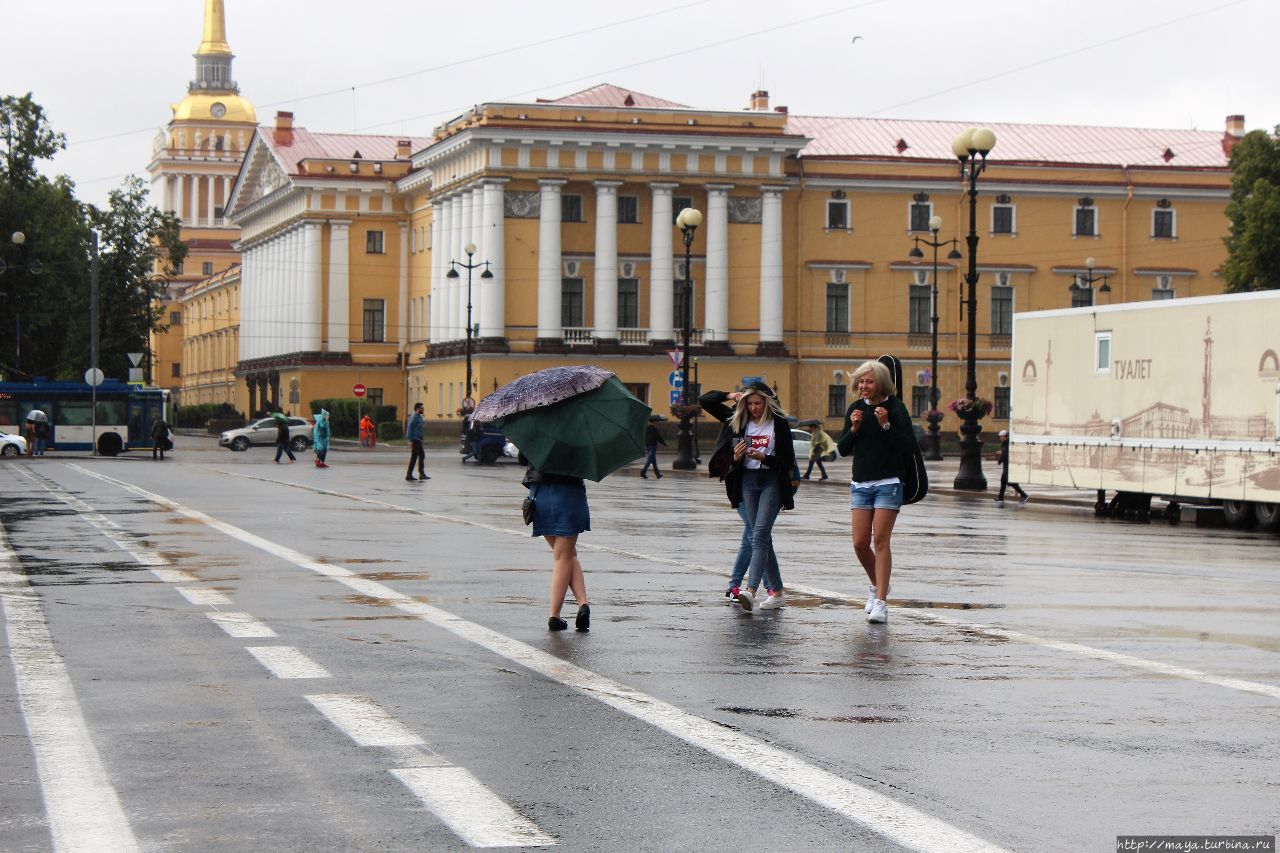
pixel 279 416
pixel 589 436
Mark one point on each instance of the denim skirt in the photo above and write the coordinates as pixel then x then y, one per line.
pixel 560 509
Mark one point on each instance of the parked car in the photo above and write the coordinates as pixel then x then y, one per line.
pixel 263 432
pixel 12 445
pixel 800 438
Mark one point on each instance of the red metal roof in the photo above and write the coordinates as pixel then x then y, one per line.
pixel 608 95
pixel 873 138
pixel 335 146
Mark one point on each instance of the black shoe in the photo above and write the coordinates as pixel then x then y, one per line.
pixel 410 478
pixel 659 476
pixel 582 622
pixel 644 476
pixel 555 623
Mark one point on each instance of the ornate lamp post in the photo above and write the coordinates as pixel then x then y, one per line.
pixel 688 221
pixel 470 249
pixel 934 450
pixel 1086 281
pixel 34 267
pixel 971 149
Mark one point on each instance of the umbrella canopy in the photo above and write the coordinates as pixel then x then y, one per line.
pixel 588 436
pixel 540 389
pixel 37 416
pixel 279 416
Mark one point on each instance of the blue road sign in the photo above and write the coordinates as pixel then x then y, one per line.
pixel 676 379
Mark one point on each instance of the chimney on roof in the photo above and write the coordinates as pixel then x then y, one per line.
pixel 760 101
pixel 1233 134
pixel 404 149
pixel 284 128
pixel 782 110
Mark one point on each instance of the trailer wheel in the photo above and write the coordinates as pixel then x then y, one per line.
pixel 110 445
pixel 1239 514
pixel 1267 516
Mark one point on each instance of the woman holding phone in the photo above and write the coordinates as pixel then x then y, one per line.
pixel 757 481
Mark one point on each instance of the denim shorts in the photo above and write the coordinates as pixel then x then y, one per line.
pixel 887 496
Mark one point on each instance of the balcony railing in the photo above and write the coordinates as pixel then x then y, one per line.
pixel 583 335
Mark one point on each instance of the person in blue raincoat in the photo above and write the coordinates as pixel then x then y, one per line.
pixel 320 438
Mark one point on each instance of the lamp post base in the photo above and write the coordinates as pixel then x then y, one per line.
pixel 933 450
pixel 970 478
pixel 684 460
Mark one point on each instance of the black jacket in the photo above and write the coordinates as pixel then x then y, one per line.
pixel 652 438
pixel 878 454
pixel 282 432
pixel 780 463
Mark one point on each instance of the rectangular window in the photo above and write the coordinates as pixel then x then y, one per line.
pixel 837 400
pixel 1159 293
pixel 1086 222
pixel 175 318
pixel 571 208
pixel 1162 224
pixel 921 211
pixel 1001 310
pixel 1001 219
pixel 374 397
pixel 1081 297
pixel 918 322
pixel 919 400
pixel 679 203
pixel 1102 352
pixel 628 303
pixel 838 215
pixel 206 268
pixel 1000 397
pixel 373 244
pixel 639 390
pixel 571 302
pixel 837 307
pixel 374 315
pixel 628 209
pixel 177 369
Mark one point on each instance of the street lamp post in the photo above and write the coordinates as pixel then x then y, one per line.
pixel 1086 281
pixel 688 221
pixel 971 149
pixel 934 416
pixel 470 249
pixel 34 267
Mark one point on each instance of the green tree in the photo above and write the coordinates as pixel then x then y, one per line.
pixel 1253 241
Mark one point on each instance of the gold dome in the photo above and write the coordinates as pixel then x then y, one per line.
pixel 215 107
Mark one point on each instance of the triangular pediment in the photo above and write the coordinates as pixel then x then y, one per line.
pixel 259 177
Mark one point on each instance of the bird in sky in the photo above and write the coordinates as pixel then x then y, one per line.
pixel 855 39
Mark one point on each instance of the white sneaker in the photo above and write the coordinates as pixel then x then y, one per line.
pixel 871 597
pixel 746 600
pixel 879 611
pixel 773 602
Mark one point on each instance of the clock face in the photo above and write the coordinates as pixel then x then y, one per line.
pixel 218 110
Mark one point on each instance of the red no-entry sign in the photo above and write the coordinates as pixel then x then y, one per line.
pixel 359 390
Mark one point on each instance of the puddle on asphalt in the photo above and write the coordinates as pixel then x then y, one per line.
pixel 182 519
pixel 373 601
pixel 791 713
pixel 515 569
pixel 394 576
pixel 363 618
pixel 940 605
pixel 354 560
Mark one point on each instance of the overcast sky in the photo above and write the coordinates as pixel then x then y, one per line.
pixel 107 72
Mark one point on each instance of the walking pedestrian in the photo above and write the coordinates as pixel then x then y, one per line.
pixel 159 438
pixel 819 446
pixel 42 437
pixel 879 436
pixel 1002 456
pixel 320 438
pixel 415 433
pixel 282 438
pixel 652 438
pixel 757 439
pixel 560 514
pixel 31 438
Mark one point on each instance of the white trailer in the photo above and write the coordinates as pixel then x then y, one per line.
pixel 1177 399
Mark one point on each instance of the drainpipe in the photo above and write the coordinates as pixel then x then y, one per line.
pixel 798 272
pixel 1124 237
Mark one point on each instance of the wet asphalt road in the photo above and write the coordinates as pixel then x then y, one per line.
pixel 1046 681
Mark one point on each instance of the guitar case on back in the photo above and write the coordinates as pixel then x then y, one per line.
pixel 915 479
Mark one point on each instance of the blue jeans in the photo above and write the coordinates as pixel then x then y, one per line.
pixel 651 458
pixel 772 575
pixel 762 501
pixel 282 447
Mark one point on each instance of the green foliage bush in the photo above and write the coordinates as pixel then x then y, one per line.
pixel 390 431
pixel 344 422
pixel 197 415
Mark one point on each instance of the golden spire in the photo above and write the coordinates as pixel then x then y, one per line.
pixel 215 30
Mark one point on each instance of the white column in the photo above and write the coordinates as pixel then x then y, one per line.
pixel 477 237
pixel 493 316
pixel 270 275
pixel 456 304
pixel 248 289
pixel 168 193
pixel 771 266
pixel 715 312
pixel 444 311
pixel 209 202
pixel 549 261
pixel 661 284
pixel 313 312
pixel 606 272
pixel 339 285
pixel 178 181
pixel 436 286
pixel 226 196
pixel 402 307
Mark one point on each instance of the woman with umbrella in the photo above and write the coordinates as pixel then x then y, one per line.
pixel 37 432
pixel 571 424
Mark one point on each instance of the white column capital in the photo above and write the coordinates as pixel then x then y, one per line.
pixel 719 189
pixel 770 189
pixel 494 182
pixel 340 224
pixel 606 186
pixel 552 183
pixel 663 187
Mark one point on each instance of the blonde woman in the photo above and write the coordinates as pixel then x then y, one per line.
pixel 879 436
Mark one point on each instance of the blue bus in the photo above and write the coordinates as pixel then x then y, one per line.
pixel 125 413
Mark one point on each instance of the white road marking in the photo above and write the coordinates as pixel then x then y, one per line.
pixel 240 625
pixel 204 597
pixel 364 721
pixel 287 662
pixel 901 823
pixel 174 576
pixel 83 808
pixel 1118 658
pixel 477 815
